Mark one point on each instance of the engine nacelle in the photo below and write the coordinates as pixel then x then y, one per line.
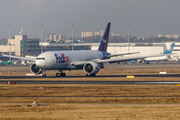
pixel 35 70
pixel 91 68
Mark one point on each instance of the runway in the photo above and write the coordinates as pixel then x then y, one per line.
pixel 93 82
pixel 98 76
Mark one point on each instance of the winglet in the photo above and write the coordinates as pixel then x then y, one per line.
pixel 104 42
pixel 169 51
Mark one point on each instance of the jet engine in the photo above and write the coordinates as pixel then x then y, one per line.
pixel 91 68
pixel 34 69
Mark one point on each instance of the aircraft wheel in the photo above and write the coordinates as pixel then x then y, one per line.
pixel 58 74
pixel 63 74
pixel 93 75
pixel 43 75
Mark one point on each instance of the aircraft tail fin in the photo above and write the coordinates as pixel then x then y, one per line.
pixel 104 42
pixel 169 51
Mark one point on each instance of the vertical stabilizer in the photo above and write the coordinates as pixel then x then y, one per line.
pixel 104 42
pixel 169 51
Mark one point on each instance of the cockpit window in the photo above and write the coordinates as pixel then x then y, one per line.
pixel 40 58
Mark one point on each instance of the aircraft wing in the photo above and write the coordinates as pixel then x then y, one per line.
pixel 115 55
pixel 117 60
pixel 23 58
pixel 112 60
pixel 120 59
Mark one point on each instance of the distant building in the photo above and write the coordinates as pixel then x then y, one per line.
pixel 175 36
pixel 51 36
pixel 86 34
pixel 168 36
pixel 112 35
pixel 54 36
pixel 32 47
pixel 62 37
pixel 160 35
pixel 91 34
pixel 96 33
pixel 21 45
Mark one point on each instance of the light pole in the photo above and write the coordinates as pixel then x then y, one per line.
pixel 72 37
pixel 128 37
pixel 10 40
pixel 101 32
pixel 42 37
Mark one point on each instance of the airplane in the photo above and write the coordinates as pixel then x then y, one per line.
pixel 156 59
pixel 90 61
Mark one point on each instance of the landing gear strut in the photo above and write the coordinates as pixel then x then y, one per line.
pixel 43 74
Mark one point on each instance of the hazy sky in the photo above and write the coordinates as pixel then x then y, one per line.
pixel 146 17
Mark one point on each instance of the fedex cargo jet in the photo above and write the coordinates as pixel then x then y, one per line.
pixel 88 60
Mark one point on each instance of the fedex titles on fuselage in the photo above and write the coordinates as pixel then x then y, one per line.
pixel 62 58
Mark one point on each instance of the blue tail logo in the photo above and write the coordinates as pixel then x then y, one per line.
pixel 104 42
pixel 169 51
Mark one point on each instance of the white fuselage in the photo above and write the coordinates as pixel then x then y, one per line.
pixel 61 60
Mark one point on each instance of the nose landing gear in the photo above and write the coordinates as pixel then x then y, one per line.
pixel 44 74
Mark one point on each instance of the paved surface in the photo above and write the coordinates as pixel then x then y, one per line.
pixel 98 76
pixel 92 82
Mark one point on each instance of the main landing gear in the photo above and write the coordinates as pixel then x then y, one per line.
pixel 43 74
pixel 60 74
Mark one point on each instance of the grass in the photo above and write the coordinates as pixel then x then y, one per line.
pixel 88 108
pixel 105 93
pixel 91 112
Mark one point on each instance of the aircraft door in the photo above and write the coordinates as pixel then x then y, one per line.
pixel 50 60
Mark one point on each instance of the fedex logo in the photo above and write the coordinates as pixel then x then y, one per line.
pixel 62 58
pixel 104 41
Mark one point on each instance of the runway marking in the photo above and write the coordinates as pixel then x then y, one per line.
pixel 130 77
